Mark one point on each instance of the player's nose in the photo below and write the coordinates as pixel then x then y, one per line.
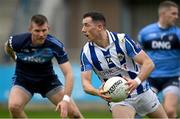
pixel 41 33
pixel 83 29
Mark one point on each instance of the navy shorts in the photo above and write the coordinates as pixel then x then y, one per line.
pixel 40 85
pixel 161 83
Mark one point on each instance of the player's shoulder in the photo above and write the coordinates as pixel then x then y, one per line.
pixel 52 40
pixel 21 36
pixel 19 39
pixel 119 35
pixel 122 37
pixel 177 28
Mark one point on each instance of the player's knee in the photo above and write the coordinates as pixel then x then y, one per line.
pixel 14 108
pixel 171 112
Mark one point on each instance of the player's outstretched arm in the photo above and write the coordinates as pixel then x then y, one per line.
pixel 63 104
pixel 68 75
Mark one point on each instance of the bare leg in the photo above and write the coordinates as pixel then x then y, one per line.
pixel 18 98
pixel 159 113
pixel 124 112
pixel 170 106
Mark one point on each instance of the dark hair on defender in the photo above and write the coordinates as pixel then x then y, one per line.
pixel 39 19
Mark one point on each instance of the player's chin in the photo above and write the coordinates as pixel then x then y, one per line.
pixel 40 42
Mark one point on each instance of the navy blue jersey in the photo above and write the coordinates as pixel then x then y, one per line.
pixel 163 46
pixel 36 61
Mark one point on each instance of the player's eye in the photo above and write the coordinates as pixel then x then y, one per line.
pixel 44 30
pixel 36 30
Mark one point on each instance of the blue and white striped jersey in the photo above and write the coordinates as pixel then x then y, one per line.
pixel 163 47
pixel 36 61
pixel 114 60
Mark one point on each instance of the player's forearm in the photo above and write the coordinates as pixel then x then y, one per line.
pixel 86 82
pixel 68 84
pixel 146 69
pixel 90 89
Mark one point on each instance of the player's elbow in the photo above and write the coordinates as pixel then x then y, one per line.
pixel 151 65
pixel 86 91
pixel 85 88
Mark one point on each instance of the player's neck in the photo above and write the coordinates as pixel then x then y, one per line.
pixel 163 24
pixel 103 40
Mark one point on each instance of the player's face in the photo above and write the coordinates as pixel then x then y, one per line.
pixel 39 33
pixel 90 29
pixel 171 16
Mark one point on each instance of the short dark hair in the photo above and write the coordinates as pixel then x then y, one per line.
pixel 96 16
pixel 167 4
pixel 39 19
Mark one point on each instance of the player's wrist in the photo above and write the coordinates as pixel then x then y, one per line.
pixel 66 98
pixel 138 80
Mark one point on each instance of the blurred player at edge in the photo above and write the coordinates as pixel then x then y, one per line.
pixel 33 52
pixel 161 41
pixel 111 54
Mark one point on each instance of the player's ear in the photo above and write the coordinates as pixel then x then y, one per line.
pixel 100 26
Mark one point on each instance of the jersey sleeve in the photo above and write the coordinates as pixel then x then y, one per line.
pixel 85 64
pixel 10 42
pixel 62 56
pixel 16 42
pixel 58 49
pixel 131 47
pixel 60 53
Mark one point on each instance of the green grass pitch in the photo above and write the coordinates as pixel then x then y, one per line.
pixel 51 113
pixel 88 111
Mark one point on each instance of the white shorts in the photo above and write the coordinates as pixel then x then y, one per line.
pixel 143 103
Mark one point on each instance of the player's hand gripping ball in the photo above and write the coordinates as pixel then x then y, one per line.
pixel 116 88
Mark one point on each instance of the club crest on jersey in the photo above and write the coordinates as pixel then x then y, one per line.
pixel 120 56
pixel 121 37
pixel 122 40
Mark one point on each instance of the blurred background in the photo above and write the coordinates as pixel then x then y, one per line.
pixel 65 17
